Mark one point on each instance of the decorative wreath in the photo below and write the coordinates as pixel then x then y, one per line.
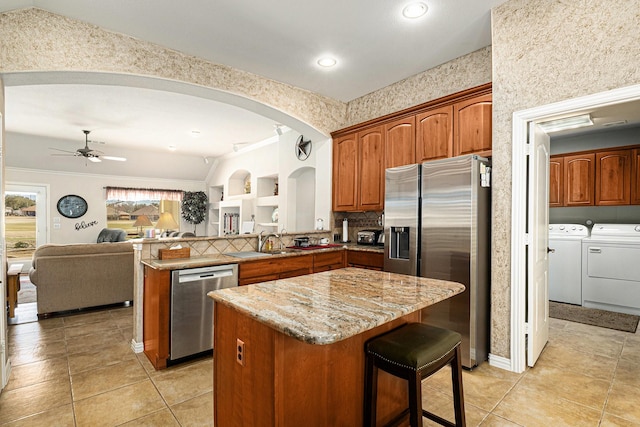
pixel 194 206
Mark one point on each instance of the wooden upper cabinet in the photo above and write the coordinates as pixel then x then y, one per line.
pixel 400 142
pixel 371 169
pixel 635 176
pixel 472 121
pixel 345 177
pixel 579 171
pixel 434 134
pixel 556 181
pixel 613 178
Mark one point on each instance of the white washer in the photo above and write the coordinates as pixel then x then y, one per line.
pixel 611 268
pixel 565 262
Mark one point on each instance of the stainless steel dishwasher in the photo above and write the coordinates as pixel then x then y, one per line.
pixel 191 324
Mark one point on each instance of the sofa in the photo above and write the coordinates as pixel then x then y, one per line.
pixel 82 275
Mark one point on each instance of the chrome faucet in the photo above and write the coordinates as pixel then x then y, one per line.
pixel 263 240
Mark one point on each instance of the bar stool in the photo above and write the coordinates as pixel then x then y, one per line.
pixel 413 352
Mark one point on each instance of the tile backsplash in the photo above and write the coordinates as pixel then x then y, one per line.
pixel 357 221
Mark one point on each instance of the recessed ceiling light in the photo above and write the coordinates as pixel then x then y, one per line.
pixel 172 148
pixel 414 10
pixel 327 62
pixel 195 133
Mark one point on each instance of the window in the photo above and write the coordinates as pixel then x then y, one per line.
pixel 125 205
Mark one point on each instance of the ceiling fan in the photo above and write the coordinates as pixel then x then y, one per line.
pixel 89 154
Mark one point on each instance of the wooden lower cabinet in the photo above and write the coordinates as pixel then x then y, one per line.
pixel 264 270
pixel 328 261
pixel 156 306
pixel 362 259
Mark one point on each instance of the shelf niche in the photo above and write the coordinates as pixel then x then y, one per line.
pixel 301 206
pixel 237 183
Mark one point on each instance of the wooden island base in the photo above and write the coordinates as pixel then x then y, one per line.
pixel 287 382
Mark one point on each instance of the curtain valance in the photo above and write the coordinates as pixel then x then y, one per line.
pixel 139 194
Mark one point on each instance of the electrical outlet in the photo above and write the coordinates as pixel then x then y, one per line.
pixel 240 351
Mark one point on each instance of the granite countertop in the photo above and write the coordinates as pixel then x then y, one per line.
pixel 324 308
pixel 211 260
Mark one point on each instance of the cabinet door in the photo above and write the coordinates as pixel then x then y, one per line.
pixel 400 142
pixel 326 261
pixel 556 181
pixel 635 176
pixel 369 260
pixel 371 169
pixel 434 134
pixel 579 173
pixel 345 173
pixel 472 121
pixel 613 178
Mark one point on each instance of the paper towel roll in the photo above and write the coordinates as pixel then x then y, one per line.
pixel 345 230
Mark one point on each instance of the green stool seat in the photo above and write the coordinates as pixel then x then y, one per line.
pixel 413 352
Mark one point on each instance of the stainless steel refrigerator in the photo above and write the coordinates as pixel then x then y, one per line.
pixel 437 224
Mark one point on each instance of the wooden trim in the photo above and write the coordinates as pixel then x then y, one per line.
pixel 439 102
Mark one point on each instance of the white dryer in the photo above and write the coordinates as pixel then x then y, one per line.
pixel 611 268
pixel 565 262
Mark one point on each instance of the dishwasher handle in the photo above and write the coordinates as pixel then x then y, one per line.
pixel 204 273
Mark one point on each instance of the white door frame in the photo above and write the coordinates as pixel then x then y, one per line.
pixel 521 120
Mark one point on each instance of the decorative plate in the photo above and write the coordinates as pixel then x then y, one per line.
pixel 274 215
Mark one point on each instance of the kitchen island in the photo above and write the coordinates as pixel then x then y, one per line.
pixel 290 352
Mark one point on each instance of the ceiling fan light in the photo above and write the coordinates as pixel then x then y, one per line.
pixel 94 159
pixel 414 10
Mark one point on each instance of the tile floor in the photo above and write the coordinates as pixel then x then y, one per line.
pixel 79 371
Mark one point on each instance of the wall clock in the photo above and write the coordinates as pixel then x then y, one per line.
pixel 72 206
pixel 303 148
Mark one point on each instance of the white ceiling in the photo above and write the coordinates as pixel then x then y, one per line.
pixel 277 39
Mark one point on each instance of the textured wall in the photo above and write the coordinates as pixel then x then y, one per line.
pixel 462 73
pixel 36 40
pixel 546 51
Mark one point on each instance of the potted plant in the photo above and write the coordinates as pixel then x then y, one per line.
pixel 194 207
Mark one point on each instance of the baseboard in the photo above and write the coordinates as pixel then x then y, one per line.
pixel 137 347
pixel 500 362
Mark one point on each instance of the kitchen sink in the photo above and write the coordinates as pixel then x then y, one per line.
pixel 247 254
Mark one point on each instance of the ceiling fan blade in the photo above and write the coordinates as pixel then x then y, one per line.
pixel 63 155
pixel 94 159
pixel 117 159
pixel 64 151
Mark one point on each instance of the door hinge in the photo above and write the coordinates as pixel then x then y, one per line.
pixel 526 328
pixel 527 239
pixel 527 148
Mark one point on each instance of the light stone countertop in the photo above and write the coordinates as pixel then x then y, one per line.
pixel 324 308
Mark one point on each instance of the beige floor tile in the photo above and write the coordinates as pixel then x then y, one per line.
pixel 180 383
pixel 609 420
pixel 146 364
pixel 118 406
pixel 84 318
pixel 162 418
pixel 89 383
pixel 529 407
pixel 195 412
pixel 631 350
pixel 483 387
pixel 127 333
pixel 90 328
pixel 563 384
pixel 37 372
pixel 99 358
pixel 44 324
pixel 61 416
pixel 442 405
pixel 594 343
pixel 569 359
pixel 623 402
pixel 95 341
pixel 29 400
pixel 42 336
pixel 36 352
pixel 495 421
pixel 628 373
pixel 596 331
